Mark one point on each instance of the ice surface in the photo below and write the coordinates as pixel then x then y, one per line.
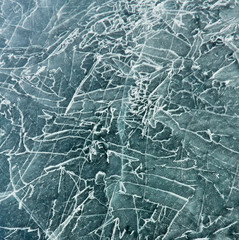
pixel 119 119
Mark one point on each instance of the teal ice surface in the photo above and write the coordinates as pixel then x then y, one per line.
pixel 119 120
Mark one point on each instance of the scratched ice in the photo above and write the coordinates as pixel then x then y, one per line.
pixel 119 119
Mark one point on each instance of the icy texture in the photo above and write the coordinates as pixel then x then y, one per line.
pixel 119 119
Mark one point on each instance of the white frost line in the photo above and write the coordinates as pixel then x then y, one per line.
pixel 81 84
pixel 56 234
pixel 172 180
pixel 170 225
pixel 222 229
pixel 158 189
